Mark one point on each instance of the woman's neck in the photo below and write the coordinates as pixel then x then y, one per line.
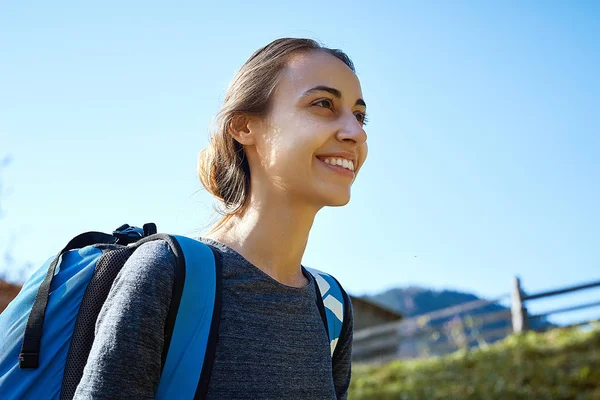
pixel 272 236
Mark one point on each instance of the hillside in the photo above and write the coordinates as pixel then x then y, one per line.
pixel 559 364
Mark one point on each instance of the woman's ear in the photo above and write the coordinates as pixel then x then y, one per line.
pixel 243 129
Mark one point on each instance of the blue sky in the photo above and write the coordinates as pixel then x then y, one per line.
pixel 484 132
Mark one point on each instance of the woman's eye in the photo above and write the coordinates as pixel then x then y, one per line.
pixel 325 103
pixel 362 118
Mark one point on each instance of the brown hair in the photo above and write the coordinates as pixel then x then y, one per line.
pixel 222 167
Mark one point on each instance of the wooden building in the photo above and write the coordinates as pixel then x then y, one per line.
pixel 368 314
pixel 372 340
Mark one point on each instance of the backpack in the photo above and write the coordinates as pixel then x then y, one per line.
pixel 47 331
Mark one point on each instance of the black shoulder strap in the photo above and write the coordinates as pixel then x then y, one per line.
pixel 30 350
pixel 211 346
pixel 177 291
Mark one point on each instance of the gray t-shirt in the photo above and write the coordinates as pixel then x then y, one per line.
pixel 272 343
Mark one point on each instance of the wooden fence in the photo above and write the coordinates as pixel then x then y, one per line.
pixel 521 320
pixel 473 324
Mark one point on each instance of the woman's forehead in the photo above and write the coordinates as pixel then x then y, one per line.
pixel 307 70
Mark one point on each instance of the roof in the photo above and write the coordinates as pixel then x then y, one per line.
pixel 382 311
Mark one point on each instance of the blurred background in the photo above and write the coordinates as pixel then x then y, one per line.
pixel 484 159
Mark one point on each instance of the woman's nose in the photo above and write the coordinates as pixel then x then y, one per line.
pixel 352 129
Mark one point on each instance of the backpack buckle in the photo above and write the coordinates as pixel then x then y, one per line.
pixel 126 234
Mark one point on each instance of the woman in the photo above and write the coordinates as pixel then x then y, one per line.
pixel 290 140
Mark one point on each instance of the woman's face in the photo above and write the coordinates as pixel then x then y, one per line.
pixel 315 123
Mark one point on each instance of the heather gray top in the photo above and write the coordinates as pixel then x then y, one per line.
pixel 272 343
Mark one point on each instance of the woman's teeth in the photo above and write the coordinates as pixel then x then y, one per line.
pixel 342 162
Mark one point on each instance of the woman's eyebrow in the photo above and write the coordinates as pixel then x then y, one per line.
pixel 333 91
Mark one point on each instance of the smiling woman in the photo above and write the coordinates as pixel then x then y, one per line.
pixel 292 100
pixel 289 140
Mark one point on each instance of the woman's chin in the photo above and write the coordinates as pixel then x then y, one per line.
pixel 338 201
pixel 330 196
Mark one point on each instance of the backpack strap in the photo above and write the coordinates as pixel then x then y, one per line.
pixel 30 349
pixel 193 321
pixel 333 298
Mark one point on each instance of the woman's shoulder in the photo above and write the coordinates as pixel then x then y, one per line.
pixel 150 262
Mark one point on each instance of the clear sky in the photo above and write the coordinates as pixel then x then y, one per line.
pixel 484 131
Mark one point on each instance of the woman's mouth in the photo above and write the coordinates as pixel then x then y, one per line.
pixel 339 165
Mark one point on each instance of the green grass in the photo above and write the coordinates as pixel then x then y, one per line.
pixel 559 364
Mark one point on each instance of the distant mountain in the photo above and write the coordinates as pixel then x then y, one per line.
pixel 413 301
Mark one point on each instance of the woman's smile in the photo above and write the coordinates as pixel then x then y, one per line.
pixel 339 165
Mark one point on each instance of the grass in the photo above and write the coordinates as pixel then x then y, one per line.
pixel 559 364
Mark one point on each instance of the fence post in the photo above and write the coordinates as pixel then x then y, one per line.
pixel 518 310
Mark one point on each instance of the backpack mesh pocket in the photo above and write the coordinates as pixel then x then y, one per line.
pixel 95 295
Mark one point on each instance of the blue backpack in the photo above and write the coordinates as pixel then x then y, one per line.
pixel 47 331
